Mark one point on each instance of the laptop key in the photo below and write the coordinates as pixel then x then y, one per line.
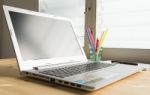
pixel 73 70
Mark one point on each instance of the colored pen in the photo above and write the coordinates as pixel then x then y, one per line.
pixel 91 37
pixel 97 42
pixel 88 35
pixel 102 39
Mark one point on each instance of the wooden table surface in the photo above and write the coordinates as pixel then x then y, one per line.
pixel 12 84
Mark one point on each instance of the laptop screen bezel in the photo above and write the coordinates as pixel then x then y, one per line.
pixel 29 64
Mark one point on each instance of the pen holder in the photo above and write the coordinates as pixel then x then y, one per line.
pixel 91 54
pixel 99 55
pixel 95 56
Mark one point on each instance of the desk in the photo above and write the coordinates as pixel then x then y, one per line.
pixel 12 84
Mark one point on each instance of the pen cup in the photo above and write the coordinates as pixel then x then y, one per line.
pixel 99 55
pixel 95 57
pixel 91 54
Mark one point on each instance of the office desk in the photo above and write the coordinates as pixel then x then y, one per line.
pixel 12 84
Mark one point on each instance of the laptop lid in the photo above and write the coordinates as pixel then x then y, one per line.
pixel 41 39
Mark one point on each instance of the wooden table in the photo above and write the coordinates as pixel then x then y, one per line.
pixel 12 84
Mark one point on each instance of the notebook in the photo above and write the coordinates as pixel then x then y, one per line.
pixel 47 48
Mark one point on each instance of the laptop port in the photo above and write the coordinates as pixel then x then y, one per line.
pixel 52 80
pixel 79 86
pixel 66 82
pixel 72 84
pixel 60 81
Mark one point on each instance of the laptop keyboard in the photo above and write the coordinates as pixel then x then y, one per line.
pixel 73 70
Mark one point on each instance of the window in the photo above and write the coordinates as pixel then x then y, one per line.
pixel 128 22
pixel 73 9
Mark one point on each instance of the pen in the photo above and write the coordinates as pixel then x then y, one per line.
pixel 91 37
pixel 88 35
pixel 102 39
pixel 97 41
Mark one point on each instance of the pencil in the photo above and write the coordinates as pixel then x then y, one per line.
pixel 102 39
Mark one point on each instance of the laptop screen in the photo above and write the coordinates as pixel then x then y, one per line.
pixel 44 38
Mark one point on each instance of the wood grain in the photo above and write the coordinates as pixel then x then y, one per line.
pixel 12 84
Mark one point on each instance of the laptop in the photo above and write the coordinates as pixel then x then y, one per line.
pixel 47 48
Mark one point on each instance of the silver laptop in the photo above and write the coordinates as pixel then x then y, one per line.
pixel 47 48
